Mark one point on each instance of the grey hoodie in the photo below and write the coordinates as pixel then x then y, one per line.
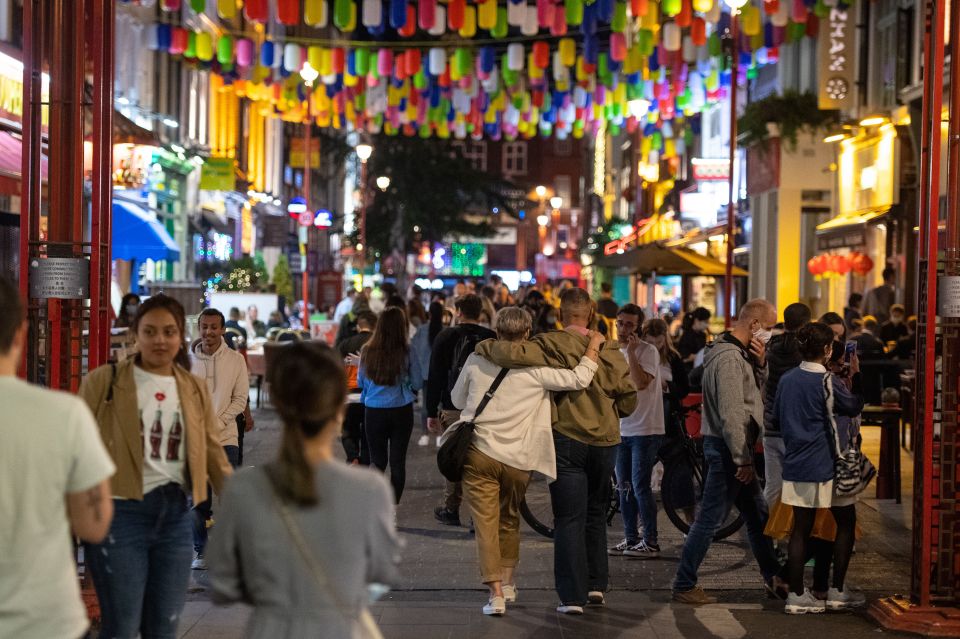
pixel 732 400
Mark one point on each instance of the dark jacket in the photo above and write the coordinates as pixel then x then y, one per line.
pixel 441 363
pixel 801 413
pixel 783 354
pixel 690 343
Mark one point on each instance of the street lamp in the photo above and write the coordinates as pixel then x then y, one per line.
pixel 383 182
pixel 309 76
pixel 541 191
pixel 735 6
pixel 543 220
pixel 364 151
pixel 556 202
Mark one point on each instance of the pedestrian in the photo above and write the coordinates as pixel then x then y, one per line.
pixel 160 427
pixel 906 347
pixel 869 347
pixel 642 432
pixel 416 314
pixel 54 482
pixel 512 439
pixel 606 306
pixel 805 405
pixel 352 438
pixel 421 346
pixel 345 305
pixel 586 432
pixel 783 354
pixel 254 325
pixel 852 309
pixel 878 300
pixel 348 323
pixel 389 377
pixel 301 537
pixel 895 327
pixel 225 372
pixel 451 348
pixel 836 324
pixel 693 336
pixel 732 419
pixel 128 309
pixel 546 320
pixel 235 323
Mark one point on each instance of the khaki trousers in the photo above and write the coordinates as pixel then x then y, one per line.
pixel 494 492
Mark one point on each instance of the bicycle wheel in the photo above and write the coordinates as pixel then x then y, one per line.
pixel 681 490
pixel 536 508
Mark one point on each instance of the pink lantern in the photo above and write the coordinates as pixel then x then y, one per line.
pixel 244 52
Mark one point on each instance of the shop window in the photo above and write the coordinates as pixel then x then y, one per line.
pixel 562 186
pixel 514 158
pixel 562 148
pixel 473 152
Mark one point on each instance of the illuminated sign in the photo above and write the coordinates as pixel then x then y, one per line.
pixel 705 169
pixel 323 219
pixel 837 58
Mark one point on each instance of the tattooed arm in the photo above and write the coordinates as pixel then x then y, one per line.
pixel 90 512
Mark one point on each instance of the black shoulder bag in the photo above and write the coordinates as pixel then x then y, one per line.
pixel 453 453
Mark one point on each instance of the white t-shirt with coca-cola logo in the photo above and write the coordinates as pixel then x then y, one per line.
pixel 162 428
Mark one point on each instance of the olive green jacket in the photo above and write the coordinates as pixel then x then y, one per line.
pixel 591 416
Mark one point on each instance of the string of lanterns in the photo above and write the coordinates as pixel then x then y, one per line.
pixel 548 68
pixel 837 265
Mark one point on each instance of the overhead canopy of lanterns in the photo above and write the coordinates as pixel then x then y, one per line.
pixel 495 68
pixel 837 265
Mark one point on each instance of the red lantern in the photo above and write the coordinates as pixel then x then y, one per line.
pixel 455 10
pixel 814 266
pixel 256 10
pixel 698 31
pixel 840 264
pixel 685 16
pixel 770 7
pixel 639 7
pixel 541 54
pixel 410 26
pixel 288 12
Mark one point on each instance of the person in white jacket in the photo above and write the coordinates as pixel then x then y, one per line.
pixel 513 437
pixel 225 371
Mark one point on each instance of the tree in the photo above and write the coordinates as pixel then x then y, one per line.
pixel 432 190
pixel 282 280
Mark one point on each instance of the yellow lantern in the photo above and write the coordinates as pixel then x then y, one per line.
pixel 227 9
pixel 487 14
pixel 568 51
pixel 702 6
pixel 469 28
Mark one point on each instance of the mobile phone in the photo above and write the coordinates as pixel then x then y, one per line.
pixel 848 352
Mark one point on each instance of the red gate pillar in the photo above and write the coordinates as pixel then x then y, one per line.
pixel 64 237
pixel 935 584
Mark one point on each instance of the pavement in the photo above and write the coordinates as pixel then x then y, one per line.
pixel 440 595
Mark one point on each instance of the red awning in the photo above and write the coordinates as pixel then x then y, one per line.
pixel 11 164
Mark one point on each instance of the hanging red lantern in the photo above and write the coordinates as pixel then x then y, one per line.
pixel 770 7
pixel 685 16
pixel 840 264
pixel 288 12
pixel 639 7
pixel 256 10
pixel 455 11
pixel 541 54
pixel 698 31
pixel 410 26
pixel 813 265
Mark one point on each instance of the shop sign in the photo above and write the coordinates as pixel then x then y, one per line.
pixel 842 238
pixel 276 230
pixel 763 167
pixel 216 174
pixel 710 169
pixel 66 278
pixel 246 229
pixel 297 154
pixel 837 58
pixel 948 296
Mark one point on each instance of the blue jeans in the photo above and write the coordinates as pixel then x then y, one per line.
pixel 580 497
pixel 636 457
pixel 142 569
pixel 202 512
pixel 721 490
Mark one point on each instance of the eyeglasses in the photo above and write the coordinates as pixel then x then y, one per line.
pixel 623 323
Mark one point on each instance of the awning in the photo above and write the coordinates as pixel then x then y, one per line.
pixel 138 235
pixel 667 261
pixel 846 220
pixel 847 230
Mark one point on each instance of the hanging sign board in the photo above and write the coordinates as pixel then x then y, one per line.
pixel 216 174
pixel 66 278
pixel 948 296
pixel 297 155
pixel 837 58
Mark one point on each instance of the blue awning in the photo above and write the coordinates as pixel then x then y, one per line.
pixel 138 235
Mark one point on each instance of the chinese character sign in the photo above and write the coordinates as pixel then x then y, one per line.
pixel 837 57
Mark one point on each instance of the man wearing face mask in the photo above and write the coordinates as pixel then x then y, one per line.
pixel 734 372
pixel 894 328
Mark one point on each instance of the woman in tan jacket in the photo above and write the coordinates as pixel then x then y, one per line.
pixel 157 422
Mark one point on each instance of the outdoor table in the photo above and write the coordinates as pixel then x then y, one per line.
pixel 887 417
pixel 257 368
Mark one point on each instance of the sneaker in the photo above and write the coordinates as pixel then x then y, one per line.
pixel 802 604
pixel 695 597
pixel 199 563
pixel 424 440
pixel 616 551
pixel 564 609
pixel 495 607
pixel 844 599
pixel 446 517
pixel 642 551
pixel 510 593
pixel 595 598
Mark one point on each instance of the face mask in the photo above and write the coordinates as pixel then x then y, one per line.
pixel 762 335
pixel 132 309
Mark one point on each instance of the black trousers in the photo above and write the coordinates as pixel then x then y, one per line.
pixel 387 433
pixel 352 437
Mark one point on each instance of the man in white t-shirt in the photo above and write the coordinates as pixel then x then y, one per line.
pixel 54 477
pixel 641 434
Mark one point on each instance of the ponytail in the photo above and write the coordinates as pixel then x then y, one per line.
pixel 291 475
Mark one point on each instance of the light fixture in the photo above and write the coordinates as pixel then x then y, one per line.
pixel 735 4
pixel 170 122
pixel 277 202
pixel 556 202
pixel 359 246
pixel 364 151
pixel 297 206
pixel 620 251
pixel 835 137
pixel 177 148
pixel 873 120
pixel 123 100
pixel 383 182
pixel 309 74
pixel 541 191
pixel 543 220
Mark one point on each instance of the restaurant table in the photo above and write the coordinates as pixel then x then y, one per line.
pixel 887 417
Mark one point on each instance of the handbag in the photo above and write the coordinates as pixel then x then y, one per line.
pixel 852 470
pixel 453 453
pixel 363 616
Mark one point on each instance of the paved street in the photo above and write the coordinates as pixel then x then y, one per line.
pixel 440 595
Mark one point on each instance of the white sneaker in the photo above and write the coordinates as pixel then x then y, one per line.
pixel 496 607
pixel 595 598
pixel 802 604
pixel 844 599
pixel 199 563
pixel 642 551
pixel 570 610
pixel 510 593
pixel 617 551
pixel 424 440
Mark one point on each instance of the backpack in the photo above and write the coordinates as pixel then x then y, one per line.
pixel 466 344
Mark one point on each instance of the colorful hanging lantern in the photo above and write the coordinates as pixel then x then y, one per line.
pixel 487 14
pixel 698 31
pixel 204 46
pixel 170 5
pixel 618 47
pixel 501 28
pixel 426 14
pixel 685 16
pixel 515 56
pixel 410 25
pixel 671 7
pixel 315 13
pixel 440 22
pixel 455 11
pixel 671 36
pixel 815 266
pixel 292 60
pixel 638 8
pixel 799 11
pixel 225 50
pixel 469 28
pixel 288 12
pixel 256 10
pixel 178 41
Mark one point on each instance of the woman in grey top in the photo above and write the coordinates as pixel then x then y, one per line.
pixel 301 538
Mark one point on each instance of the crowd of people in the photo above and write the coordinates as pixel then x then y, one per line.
pixel 551 381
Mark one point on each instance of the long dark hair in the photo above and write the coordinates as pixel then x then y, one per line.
pixel 308 386
pixel 415 311
pixel 123 317
pixel 384 358
pixel 436 321
pixel 175 308
pixel 812 339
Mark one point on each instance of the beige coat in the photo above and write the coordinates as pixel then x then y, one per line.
pixel 119 424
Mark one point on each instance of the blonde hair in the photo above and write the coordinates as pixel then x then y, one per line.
pixel 656 327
